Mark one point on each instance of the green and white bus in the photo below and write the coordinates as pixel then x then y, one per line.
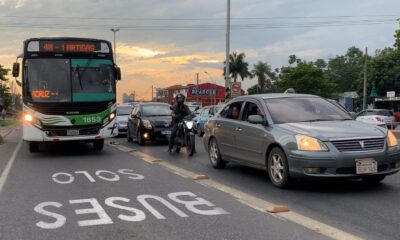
pixel 68 90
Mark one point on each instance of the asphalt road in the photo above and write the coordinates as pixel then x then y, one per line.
pixel 68 191
pixel 370 212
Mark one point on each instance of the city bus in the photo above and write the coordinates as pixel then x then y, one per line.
pixel 68 90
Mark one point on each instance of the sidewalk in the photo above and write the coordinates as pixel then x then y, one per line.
pixel 11 137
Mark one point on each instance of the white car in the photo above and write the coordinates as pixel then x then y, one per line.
pixel 123 112
pixel 380 117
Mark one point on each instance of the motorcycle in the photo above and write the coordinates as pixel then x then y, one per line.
pixel 185 136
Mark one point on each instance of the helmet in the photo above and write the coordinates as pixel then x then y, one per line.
pixel 180 98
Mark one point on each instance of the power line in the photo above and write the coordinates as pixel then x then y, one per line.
pixel 198 19
pixel 247 26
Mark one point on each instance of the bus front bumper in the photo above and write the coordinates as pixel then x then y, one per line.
pixel 34 134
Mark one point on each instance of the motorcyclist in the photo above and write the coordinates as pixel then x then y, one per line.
pixel 179 111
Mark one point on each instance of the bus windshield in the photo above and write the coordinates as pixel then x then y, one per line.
pixel 69 80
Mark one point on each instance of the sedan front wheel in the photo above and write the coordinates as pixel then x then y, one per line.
pixel 278 168
pixel 214 155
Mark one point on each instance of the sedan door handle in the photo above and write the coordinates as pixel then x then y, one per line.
pixel 218 125
pixel 238 129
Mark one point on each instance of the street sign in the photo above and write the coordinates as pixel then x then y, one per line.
pixel 236 88
pixel 390 94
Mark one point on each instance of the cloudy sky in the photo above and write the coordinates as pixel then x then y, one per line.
pixel 165 42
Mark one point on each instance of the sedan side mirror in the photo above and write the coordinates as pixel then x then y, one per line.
pixel 256 119
pixel 15 70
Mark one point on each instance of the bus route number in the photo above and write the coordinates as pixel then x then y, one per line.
pixel 94 119
pixel 41 94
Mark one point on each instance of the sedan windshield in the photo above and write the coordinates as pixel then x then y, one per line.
pixel 156 110
pixel 307 109
pixel 124 111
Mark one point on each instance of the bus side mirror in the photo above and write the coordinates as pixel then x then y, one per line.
pixel 117 73
pixel 15 70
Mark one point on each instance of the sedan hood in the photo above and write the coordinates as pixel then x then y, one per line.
pixel 328 130
pixel 159 121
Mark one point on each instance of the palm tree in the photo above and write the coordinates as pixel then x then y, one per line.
pixel 261 71
pixel 237 66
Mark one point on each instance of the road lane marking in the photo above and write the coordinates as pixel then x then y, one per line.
pixel 7 169
pixel 256 203
pixel 177 201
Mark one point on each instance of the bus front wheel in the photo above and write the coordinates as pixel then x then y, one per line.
pixel 33 147
pixel 98 144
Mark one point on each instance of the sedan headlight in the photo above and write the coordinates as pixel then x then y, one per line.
pixel 306 143
pixel 189 124
pixel 147 124
pixel 391 139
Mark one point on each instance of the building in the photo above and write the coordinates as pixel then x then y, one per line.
pixel 205 94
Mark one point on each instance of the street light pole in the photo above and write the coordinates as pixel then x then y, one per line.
pixel 228 26
pixel 115 30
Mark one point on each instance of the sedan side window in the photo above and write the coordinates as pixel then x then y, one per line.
pixel 252 109
pixel 232 111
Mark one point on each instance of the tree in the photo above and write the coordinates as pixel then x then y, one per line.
pixel 384 71
pixel 347 70
pixel 255 89
pixel 292 59
pixel 263 73
pixel 306 78
pixel 238 66
pixel 4 90
pixel 397 38
pixel 320 63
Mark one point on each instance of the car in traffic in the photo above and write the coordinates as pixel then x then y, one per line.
pixel 297 136
pixel 149 122
pixel 204 115
pixel 123 112
pixel 380 117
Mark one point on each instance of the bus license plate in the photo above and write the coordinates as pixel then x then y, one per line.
pixel 368 165
pixel 72 132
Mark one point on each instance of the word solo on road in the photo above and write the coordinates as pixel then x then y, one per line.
pixel 53 219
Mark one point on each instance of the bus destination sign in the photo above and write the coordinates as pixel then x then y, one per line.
pixel 62 46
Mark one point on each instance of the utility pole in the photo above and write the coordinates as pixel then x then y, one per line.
pixel 152 93
pixel 198 89
pixel 228 26
pixel 365 79
pixel 115 30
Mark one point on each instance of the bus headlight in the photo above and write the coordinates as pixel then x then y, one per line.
pixel 111 116
pixel 28 117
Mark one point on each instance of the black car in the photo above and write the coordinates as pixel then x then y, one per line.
pixel 149 122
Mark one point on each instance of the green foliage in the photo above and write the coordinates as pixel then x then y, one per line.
pixel 264 74
pixel 4 89
pixel 347 70
pixel 384 71
pixel 306 78
pixel 255 89
pixel 397 38
pixel 238 66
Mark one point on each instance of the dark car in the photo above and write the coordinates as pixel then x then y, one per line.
pixel 299 136
pixel 149 122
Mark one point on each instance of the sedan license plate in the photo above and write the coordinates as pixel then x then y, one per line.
pixel 72 132
pixel 166 132
pixel 364 166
